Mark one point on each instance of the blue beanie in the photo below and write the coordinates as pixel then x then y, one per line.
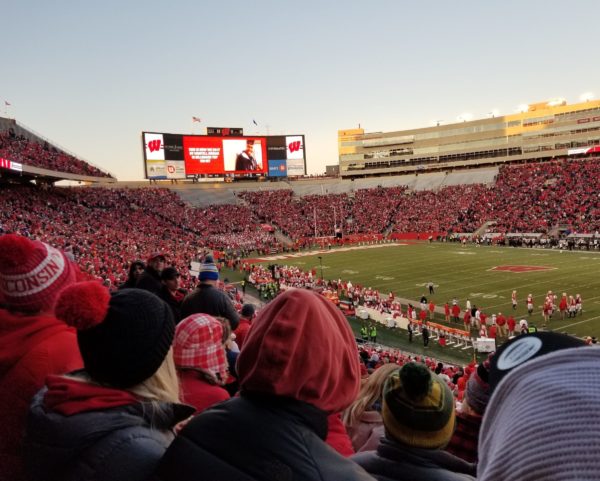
pixel 208 270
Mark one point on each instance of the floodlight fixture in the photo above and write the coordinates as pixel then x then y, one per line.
pixel 523 108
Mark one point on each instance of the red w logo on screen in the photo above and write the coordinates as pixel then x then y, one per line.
pixel 295 146
pixel 154 145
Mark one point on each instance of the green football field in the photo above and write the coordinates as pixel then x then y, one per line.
pixel 463 272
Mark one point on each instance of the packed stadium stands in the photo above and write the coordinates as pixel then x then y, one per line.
pixel 105 229
pixel 18 148
pixel 92 221
pixel 527 198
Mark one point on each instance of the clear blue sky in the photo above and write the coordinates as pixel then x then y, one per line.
pixel 92 75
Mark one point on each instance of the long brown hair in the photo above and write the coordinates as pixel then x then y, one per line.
pixel 368 394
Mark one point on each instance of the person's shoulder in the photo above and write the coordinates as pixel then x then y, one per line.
pixel 131 454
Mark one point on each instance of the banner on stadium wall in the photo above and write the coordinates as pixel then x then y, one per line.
pixel 276 148
pixel 584 150
pixel 295 167
pixel 295 147
pixel 175 169
pixel 9 164
pixel 173 156
pixel 277 168
pixel 154 156
pixel 296 161
pixel 156 169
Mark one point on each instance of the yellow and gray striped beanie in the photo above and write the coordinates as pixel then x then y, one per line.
pixel 418 408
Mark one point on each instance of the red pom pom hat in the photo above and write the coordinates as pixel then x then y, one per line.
pixel 32 273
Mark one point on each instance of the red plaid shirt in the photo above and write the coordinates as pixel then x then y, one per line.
pixel 466 435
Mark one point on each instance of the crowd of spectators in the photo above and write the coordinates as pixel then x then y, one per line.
pixel 106 229
pixel 90 222
pixel 119 416
pixel 18 148
pixel 525 198
pixel 536 197
pixel 445 210
pixel 137 394
pixel 313 215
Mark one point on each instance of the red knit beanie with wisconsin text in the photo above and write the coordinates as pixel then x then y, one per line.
pixel 32 273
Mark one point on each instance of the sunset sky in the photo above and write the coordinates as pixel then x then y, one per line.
pixel 91 76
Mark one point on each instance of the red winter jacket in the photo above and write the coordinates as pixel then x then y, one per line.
pixel 242 331
pixel 337 436
pixel 31 348
pixel 198 392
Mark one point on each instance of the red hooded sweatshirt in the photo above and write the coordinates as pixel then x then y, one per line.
pixel 301 346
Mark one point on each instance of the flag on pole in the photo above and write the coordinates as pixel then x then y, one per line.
pixel 7 103
pixel 254 122
pixel 196 119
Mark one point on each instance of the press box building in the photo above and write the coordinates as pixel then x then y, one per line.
pixel 543 131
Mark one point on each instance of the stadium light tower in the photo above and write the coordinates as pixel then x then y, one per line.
pixel 493 113
pixel 465 117
pixel 586 97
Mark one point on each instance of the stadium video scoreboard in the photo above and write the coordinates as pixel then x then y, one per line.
pixel 224 131
pixel 223 151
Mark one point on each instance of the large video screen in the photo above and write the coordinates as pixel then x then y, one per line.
pixel 217 155
pixel 172 156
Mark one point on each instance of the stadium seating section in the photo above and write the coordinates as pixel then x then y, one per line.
pixel 108 228
pixel 18 148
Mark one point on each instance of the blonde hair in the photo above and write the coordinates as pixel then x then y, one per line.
pixel 162 386
pixel 369 392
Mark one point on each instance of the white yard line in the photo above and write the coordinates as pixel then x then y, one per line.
pixel 325 251
pixel 576 323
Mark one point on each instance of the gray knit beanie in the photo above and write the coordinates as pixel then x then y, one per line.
pixel 478 388
pixel 546 412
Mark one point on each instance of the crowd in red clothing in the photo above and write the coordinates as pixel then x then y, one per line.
pixel 299 217
pixel 448 209
pixel 106 229
pixel 17 148
pixel 317 380
pixel 536 197
pixel 89 222
pixel 524 198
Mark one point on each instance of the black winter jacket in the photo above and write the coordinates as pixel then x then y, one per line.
pixel 257 439
pixel 118 444
pixel 149 281
pixel 207 299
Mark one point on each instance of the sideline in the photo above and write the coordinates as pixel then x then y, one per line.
pixel 322 251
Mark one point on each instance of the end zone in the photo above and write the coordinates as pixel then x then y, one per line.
pixel 520 268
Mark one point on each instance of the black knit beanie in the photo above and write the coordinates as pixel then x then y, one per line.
pixel 123 337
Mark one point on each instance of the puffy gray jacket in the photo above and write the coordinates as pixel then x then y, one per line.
pixel 118 444
pixel 395 462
